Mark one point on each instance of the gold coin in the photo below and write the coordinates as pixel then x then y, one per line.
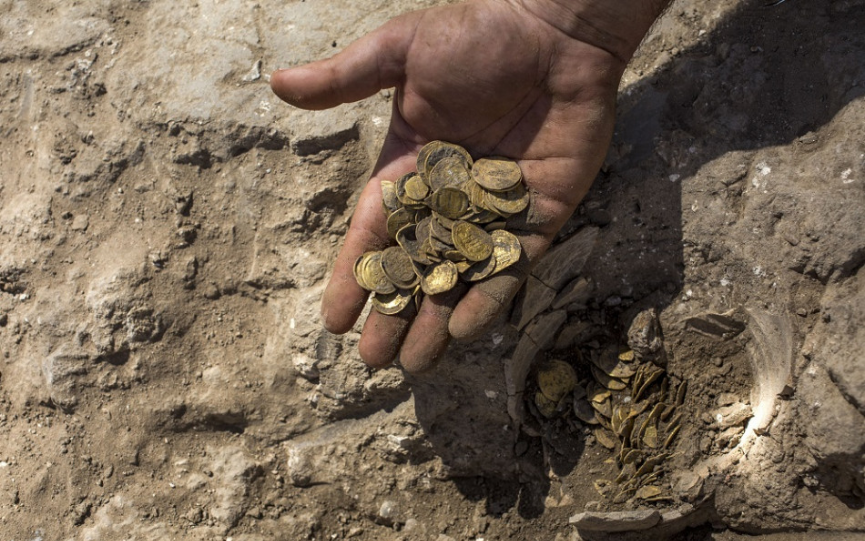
pixel 399 188
pixel 392 303
pixel 407 240
pixel 449 171
pixel 440 150
pixel 454 255
pixel 496 174
pixel 423 228
pixel 472 241
pixel 439 278
pixel 422 156
pixel 480 270
pixel 397 220
pixel 608 381
pixel 358 271
pixel 373 275
pixel 449 202
pixel 388 197
pixel 446 222
pixel 608 363
pixel 509 202
pixel 396 264
pixel 463 266
pixel 475 194
pixel 438 246
pixel 494 226
pixel 415 187
pixel 506 249
pixel 556 379
pixel 439 231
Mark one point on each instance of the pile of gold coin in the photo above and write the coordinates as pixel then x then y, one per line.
pixel 635 410
pixel 448 222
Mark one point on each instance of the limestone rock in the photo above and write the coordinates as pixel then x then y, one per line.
pixel 618 521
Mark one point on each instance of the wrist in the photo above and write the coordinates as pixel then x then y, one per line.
pixel 615 26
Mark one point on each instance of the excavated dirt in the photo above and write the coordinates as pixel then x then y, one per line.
pixel 168 225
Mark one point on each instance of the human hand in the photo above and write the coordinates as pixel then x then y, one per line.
pixel 497 78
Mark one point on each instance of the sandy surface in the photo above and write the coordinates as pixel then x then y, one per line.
pixel 168 225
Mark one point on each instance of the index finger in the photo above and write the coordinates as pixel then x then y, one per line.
pixel 343 298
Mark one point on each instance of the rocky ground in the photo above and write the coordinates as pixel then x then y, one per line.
pixel 168 225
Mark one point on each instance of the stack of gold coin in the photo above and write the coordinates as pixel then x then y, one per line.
pixel 448 222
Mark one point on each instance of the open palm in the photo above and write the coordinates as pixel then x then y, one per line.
pixel 497 80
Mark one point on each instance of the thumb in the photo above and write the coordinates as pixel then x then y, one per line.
pixel 368 65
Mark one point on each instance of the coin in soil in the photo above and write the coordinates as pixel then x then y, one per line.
pixel 496 174
pixel 439 278
pixel 472 241
pixel 392 303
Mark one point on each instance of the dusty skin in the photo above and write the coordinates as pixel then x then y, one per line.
pixel 169 226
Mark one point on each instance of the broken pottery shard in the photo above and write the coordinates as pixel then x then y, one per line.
pixel 573 333
pixel 534 298
pixel 576 292
pixel 516 371
pixel 715 325
pixel 619 521
pixel 565 260
pixel 543 329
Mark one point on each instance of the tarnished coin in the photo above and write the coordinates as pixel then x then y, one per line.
pixel 423 228
pixel 605 438
pixel 399 188
pixel 556 379
pixel 608 381
pixel 506 249
pixel 438 246
pixel 440 231
pixel 454 255
pixel 373 274
pixel 406 238
pixel 480 270
pixel 509 202
pixel 439 278
pixel 476 195
pixel 496 174
pixel 463 266
pixel 415 187
pixel 392 303
pixel 449 171
pixel 397 220
pixel 472 241
pixel 492 226
pixel 397 266
pixel 449 202
pixel 609 363
pixel 388 197
pixel 436 151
